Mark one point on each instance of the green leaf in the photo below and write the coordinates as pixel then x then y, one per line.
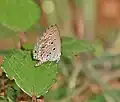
pixel 18 15
pixel 72 46
pixel 33 80
pixel 27 46
pixel 36 28
pixel 97 98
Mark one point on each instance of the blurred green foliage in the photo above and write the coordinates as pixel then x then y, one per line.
pixel 6 32
pixel 77 2
pixel 2 100
pixel 97 98
pixel 56 94
pixel 17 15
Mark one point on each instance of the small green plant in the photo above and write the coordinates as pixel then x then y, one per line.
pixel 37 81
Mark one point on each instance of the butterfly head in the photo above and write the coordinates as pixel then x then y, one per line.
pixel 37 52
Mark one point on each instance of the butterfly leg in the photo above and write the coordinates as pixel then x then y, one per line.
pixel 39 63
pixel 58 59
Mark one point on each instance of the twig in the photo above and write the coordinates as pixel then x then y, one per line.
pixel 73 79
pixel 76 92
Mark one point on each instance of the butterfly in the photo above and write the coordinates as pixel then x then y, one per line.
pixel 48 46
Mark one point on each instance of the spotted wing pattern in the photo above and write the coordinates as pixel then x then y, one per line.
pixel 48 46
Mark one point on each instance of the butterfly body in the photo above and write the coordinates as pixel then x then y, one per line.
pixel 48 46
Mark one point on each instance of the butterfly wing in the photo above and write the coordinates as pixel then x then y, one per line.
pixel 48 47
